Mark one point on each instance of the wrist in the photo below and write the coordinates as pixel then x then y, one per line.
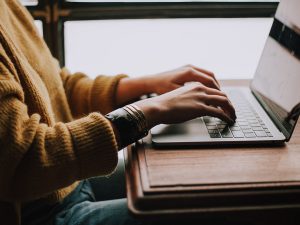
pixel 148 83
pixel 151 110
pixel 130 89
pixel 129 124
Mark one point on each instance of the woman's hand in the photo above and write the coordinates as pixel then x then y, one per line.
pixel 168 81
pixel 130 89
pixel 185 103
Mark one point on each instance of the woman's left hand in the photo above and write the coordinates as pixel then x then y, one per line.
pixel 130 89
pixel 170 80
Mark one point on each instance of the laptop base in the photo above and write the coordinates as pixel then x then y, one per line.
pixel 196 132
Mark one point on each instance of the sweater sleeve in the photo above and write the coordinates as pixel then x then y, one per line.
pixel 37 159
pixel 86 95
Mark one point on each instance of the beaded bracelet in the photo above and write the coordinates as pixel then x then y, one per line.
pixel 131 123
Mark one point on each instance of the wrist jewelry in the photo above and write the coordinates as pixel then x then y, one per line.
pixel 131 123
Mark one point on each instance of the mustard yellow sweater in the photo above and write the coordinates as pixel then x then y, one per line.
pixel 43 150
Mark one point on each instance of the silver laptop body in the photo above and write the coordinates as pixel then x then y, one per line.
pixel 268 110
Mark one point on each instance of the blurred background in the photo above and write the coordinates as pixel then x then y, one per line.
pixel 146 37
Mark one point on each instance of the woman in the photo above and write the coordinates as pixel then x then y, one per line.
pixel 54 135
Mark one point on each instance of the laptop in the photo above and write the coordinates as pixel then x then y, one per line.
pixel 268 110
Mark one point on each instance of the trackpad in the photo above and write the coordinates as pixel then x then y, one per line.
pixel 190 131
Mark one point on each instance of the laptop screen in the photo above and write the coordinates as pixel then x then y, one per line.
pixel 276 83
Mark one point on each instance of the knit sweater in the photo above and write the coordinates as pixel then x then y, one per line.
pixel 44 151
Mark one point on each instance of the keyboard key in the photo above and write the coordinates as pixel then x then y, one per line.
pixel 246 128
pixel 211 123
pixel 226 133
pixel 243 123
pixel 215 135
pixel 213 131
pixel 260 133
pixel 238 134
pixel 234 128
pixel 221 126
pixel 257 129
pixel 211 127
pixel 241 120
pixel 269 134
pixel 253 121
pixel 250 135
pixel 255 125
pixel 250 117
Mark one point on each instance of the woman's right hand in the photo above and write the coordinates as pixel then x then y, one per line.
pixel 186 103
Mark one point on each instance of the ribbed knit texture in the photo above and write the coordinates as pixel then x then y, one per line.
pixel 43 150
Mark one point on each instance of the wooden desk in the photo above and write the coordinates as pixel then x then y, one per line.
pixel 218 181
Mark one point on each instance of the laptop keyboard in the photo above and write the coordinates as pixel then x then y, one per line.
pixel 248 123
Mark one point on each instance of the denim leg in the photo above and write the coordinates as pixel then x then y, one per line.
pixel 40 212
pixel 110 212
pixel 110 187
pixel 99 200
pixel 81 208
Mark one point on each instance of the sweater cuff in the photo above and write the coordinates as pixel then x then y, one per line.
pixel 103 93
pixel 94 145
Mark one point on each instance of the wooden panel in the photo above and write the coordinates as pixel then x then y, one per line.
pixel 203 166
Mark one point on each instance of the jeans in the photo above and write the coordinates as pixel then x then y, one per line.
pixel 96 201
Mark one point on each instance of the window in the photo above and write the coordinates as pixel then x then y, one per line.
pixel 144 37
pixel 230 47
pixel 29 2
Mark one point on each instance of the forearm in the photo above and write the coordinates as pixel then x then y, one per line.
pixel 130 89
pixel 86 95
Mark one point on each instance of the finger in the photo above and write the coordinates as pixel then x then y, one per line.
pixel 223 102
pixel 213 91
pixel 216 112
pixel 209 73
pixel 205 79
